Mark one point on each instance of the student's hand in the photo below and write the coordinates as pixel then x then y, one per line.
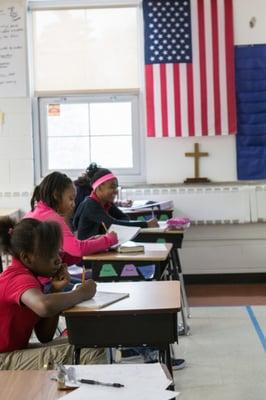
pixel 87 290
pixel 61 279
pixel 112 238
pixel 153 223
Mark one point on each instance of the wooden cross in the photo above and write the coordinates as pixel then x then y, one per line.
pixel 196 155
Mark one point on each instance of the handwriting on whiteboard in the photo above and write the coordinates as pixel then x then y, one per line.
pixel 12 49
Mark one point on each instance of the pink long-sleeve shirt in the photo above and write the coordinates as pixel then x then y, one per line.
pixel 71 245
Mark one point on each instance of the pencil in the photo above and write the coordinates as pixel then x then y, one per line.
pixel 83 276
pixel 104 226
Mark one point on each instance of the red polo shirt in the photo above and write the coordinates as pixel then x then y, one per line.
pixel 16 320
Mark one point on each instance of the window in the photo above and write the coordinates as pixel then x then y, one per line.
pixel 78 130
pixel 87 85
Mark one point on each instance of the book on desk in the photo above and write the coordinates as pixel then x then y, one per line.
pixel 130 247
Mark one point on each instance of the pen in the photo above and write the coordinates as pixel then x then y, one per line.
pixel 93 382
pixel 104 226
pixel 83 276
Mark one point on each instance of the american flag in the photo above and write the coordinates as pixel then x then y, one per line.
pixel 189 67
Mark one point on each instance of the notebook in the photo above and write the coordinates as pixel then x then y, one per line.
pixel 124 233
pixel 131 247
pixel 102 299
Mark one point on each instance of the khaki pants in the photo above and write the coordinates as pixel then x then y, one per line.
pixel 38 356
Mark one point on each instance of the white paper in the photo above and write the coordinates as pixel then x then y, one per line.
pixel 142 382
pixel 102 299
pixel 75 270
pixel 86 392
pixel 124 233
pixel 162 205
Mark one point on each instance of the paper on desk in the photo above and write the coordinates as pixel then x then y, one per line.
pixel 86 392
pixel 101 299
pixel 130 375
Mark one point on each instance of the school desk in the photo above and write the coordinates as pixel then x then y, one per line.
pixel 12 213
pixel 113 266
pixel 162 235
pixel 147 317
pixel 37 385
pixel 147 213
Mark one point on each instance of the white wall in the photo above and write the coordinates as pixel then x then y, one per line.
pixel 165 160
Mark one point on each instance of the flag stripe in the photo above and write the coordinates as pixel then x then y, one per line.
pixel 164 100
pixel 202 63
pixel 177 109
pixel 150 100
pixel 170 99
pixel 231 101
pixel 222 60
pixel 209 67
pixel 183 99
pixel 216 82
pixel 196 68
pixel 157 100
pixel 190 95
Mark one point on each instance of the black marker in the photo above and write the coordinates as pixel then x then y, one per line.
pixel 93 382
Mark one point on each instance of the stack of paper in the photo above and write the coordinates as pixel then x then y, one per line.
pixel 141 382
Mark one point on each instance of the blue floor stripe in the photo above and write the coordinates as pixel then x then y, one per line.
pixel 256 326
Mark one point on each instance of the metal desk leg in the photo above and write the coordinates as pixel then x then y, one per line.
pixel 182 284
pixel 175 275
pixel 77 351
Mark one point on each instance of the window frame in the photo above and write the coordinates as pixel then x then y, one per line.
pixel 134 174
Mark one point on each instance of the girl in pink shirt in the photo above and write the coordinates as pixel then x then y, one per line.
pixel 54 199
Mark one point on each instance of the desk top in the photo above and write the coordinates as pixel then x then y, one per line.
pixel 9 212
pixel 153 252
pixel 162 228
pixel 147 210
pixel 144 297
pixel 37 385
pixel 26 385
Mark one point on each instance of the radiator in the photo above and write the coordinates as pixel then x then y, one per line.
pixel 233 204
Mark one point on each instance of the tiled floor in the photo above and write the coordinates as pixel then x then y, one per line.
pixel 225 354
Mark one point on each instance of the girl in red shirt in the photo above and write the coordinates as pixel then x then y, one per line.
pixel 24 307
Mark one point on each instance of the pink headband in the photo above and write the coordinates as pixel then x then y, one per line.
pixel 103 179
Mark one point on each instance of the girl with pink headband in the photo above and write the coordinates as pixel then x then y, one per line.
pixel 98 209
pixel 54 200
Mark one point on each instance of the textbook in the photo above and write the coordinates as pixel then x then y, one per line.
pixel 130 247
pixel 102 299
pixel 124 233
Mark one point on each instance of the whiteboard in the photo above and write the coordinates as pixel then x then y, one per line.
pixel 12 49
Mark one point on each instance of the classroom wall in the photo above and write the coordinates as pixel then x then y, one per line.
pixel 165 160
pixel 165 157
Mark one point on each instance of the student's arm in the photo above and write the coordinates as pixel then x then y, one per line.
pixel 96 213
pixel 116 213
pixel 50 305
pixel 80 248
pixel 46 327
